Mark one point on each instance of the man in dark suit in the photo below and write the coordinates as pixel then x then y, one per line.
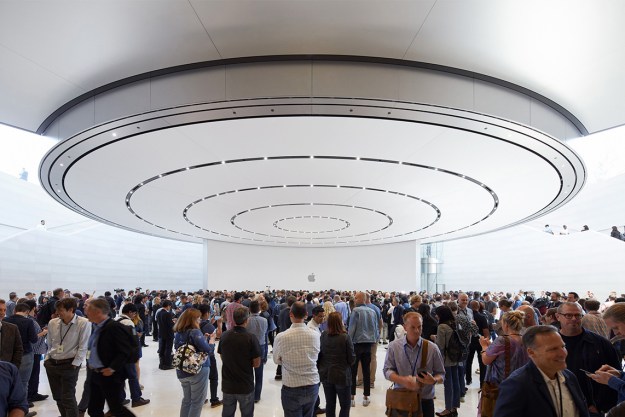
pixel 165 321
pixel 11 349
pixel 543 387
pixel 109 351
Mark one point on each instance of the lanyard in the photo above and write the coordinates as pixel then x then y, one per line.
pixel 61 332
pixel 413 366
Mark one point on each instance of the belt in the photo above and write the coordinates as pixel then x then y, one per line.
pixel 60 361
pixel 96 370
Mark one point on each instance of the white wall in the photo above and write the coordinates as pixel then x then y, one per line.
pixel 383 267
pixel 80 254
pixel 529 259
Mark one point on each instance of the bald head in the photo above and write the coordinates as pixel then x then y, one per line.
pixel 359 298
pixel 528 321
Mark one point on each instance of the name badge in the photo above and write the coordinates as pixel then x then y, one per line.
pixel 60 349
pixel 88 354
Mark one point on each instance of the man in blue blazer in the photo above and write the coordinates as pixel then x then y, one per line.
pixel 543 387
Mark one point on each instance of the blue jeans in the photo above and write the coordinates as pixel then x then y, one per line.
pixel 133 382
pixel 452 388
pixel 246 403
pixel 343 392
pixel 26 368
pixel 461 369
pixel 299 401
pixel 194 390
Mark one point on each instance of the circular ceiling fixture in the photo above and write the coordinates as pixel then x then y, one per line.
pixel 260 171
pixel 321 152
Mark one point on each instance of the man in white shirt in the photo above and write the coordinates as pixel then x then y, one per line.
pixel 297 349
pixel 318 315
pixel 68 339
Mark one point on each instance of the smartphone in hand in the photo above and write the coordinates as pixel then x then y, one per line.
pixel 588 373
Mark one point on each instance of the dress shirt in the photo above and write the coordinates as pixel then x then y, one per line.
pixel 40 347
pixel 557 387
pixel 312 325
pixel 257 326
pixel 297 350
pixel 229 314
pixel 75 337
pixel 466 312
pixel 94 358
pixel 363 325
pixel 401 358
pixel 343 308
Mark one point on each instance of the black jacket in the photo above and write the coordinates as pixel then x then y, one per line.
pixel 114 348
pixel 524 393
pixel 335 359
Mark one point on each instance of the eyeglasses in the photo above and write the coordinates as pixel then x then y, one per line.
pixel 572 316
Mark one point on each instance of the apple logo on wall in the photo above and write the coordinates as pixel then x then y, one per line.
pixel 311 277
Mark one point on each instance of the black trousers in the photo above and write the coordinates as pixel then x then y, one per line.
pixel 165 346
pixel 475 347
pixel 363 356
pixel 213 379
pixel 111 390
pixel 62 379
pixel 33 382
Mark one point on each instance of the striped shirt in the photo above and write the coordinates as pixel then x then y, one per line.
pixel 595 323
pixel 297 349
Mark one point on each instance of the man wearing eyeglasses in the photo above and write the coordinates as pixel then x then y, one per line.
pixel 587 351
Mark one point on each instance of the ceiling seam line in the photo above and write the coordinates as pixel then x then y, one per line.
pixel 205 30
pixel 419 30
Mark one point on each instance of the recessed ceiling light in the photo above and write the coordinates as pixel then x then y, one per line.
pixel 61 165
pixel 223 162
pixel 187 168
pixel 114 134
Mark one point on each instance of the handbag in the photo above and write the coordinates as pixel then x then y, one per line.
pixel 490 390
pixel 402 399
pixel 187 359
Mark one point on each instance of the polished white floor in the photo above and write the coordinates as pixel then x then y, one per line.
pixel 164 391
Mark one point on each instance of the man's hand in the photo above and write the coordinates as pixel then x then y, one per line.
pixel 426 379
pixel 108 371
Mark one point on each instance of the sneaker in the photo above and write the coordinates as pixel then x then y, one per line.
pixel 217 403
pixel 353 402
pixel 372 385
pixel 366 401
pixel 139 402
pixel 385 343
pixel 141 387
pixel 462 399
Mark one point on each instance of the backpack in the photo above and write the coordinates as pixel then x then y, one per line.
pixel 131 334
pixel 456 350
pixel 44 315
pixel 188 359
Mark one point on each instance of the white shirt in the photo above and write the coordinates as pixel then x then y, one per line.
pixel 297 349
pixel 557 387
pixel 75 337
pixel 312 325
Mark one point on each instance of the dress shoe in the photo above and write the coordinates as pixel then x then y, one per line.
pixel 320 411
pixel 217 403
pixel 278 377
pixel 38 397
pixel 126 402
pixel 167 368
pixel 108 414
pixel 145 345
pixel 82 413
pixel 139 402
pixel 30 404
pixel 30 414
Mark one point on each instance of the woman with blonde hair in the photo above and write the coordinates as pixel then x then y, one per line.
pixel 503 356
pixel 328 308
pixel 194 386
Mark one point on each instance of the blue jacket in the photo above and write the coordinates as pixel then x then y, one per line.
pixel 524 393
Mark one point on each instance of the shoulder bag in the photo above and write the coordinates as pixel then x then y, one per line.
pixel 405 400
pixel 490 390
pixel 187 358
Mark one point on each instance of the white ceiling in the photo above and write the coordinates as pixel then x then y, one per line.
pixel 566 50
pixel 435 181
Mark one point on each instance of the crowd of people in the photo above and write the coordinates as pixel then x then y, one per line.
pixel 548 354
